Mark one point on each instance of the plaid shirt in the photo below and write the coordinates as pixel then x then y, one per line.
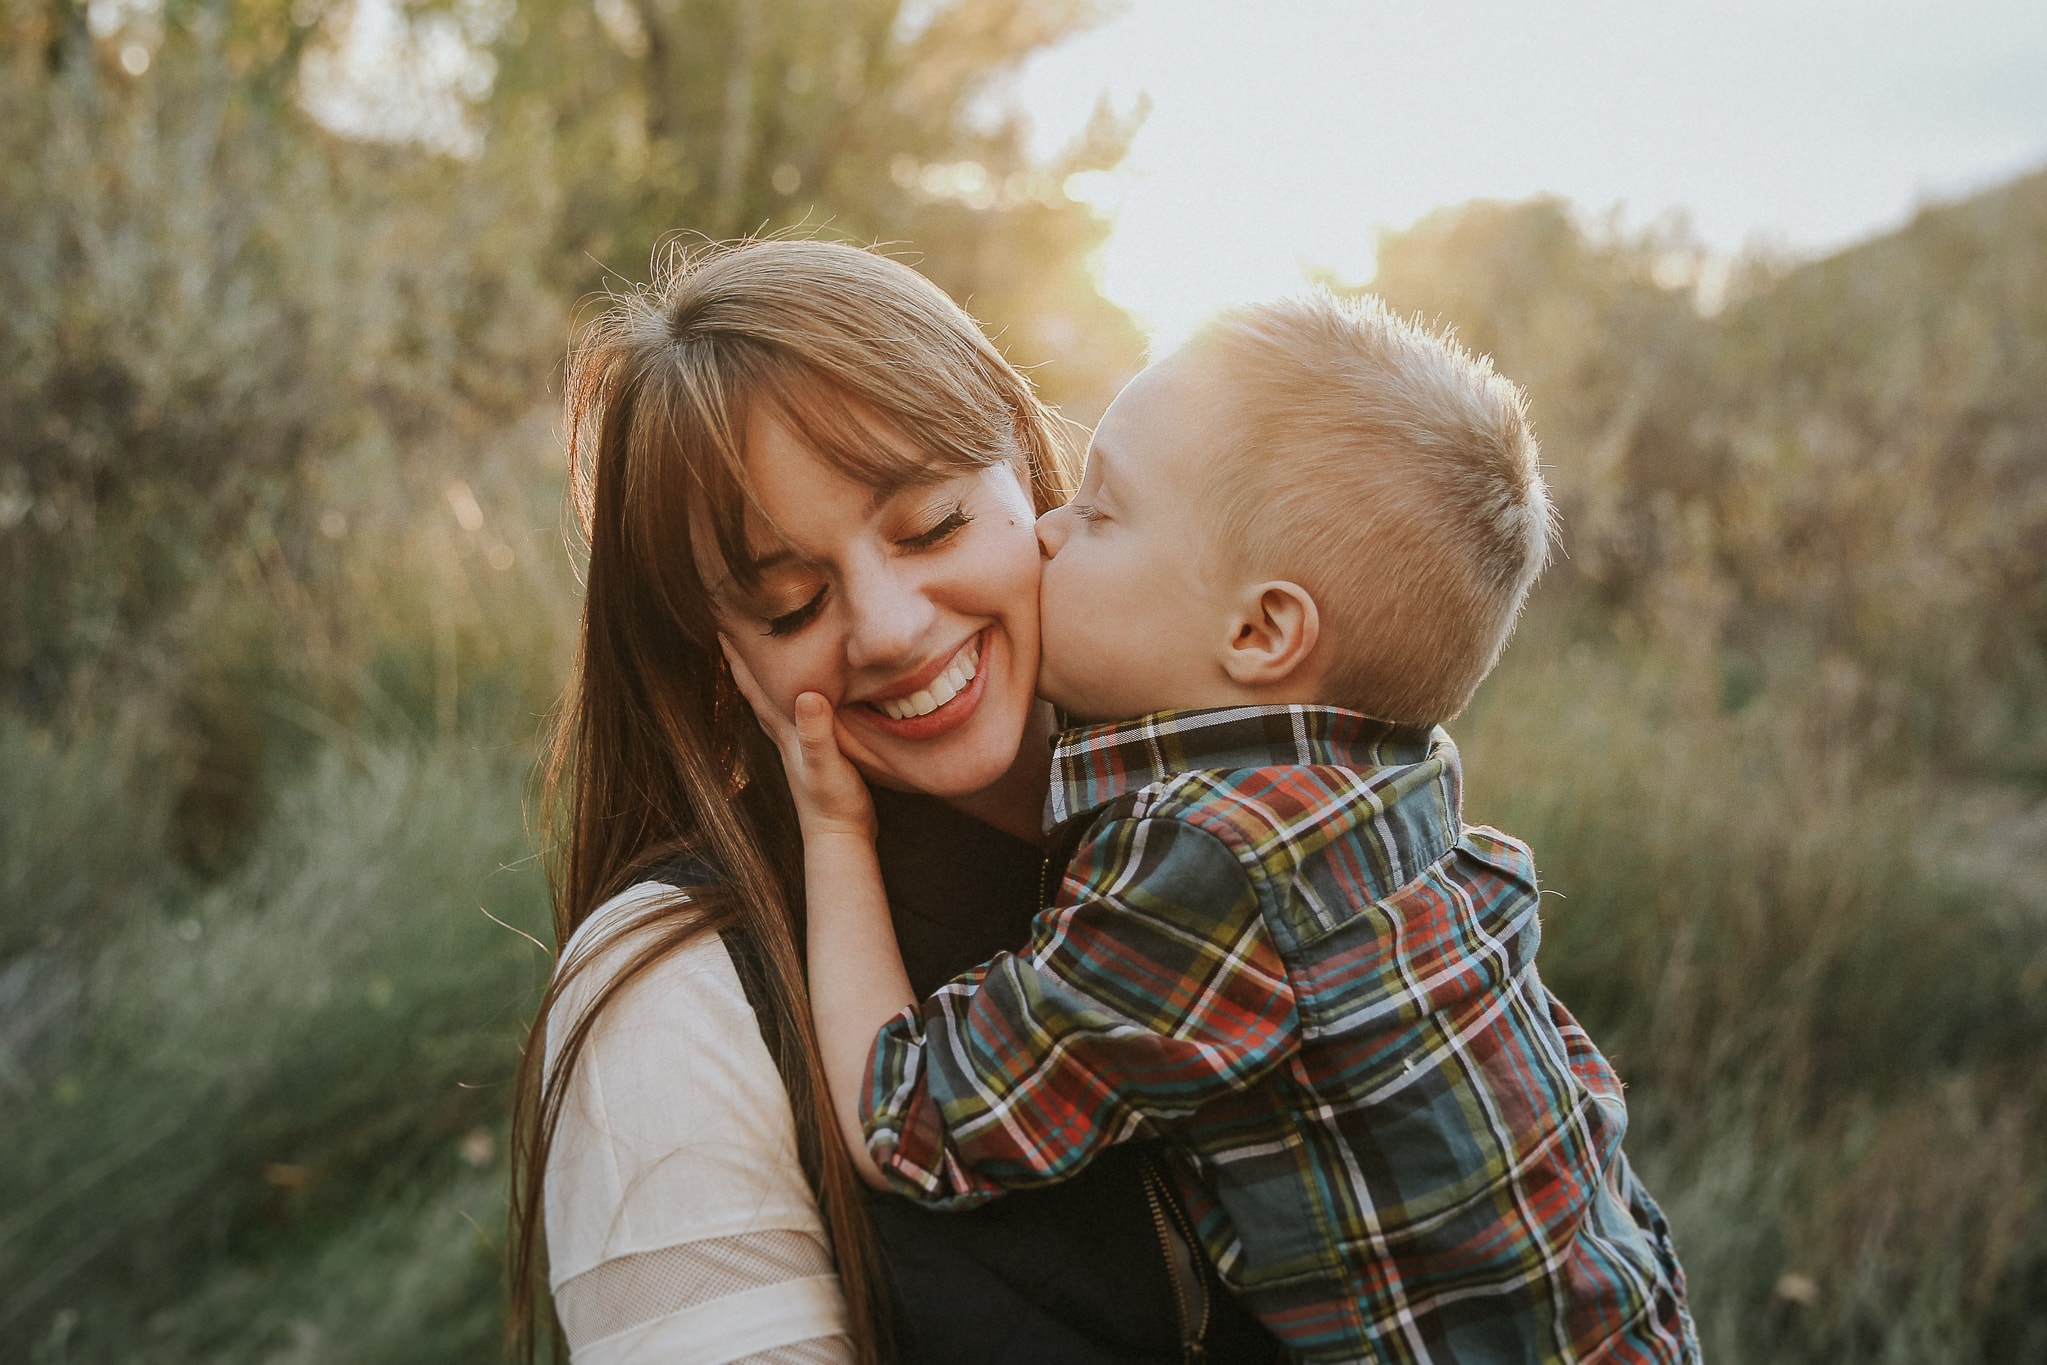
pixel 1277 945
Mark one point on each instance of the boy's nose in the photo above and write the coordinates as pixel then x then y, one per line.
pixel 1051 532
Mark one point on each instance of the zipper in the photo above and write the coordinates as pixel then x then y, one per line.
pixel 1176 1240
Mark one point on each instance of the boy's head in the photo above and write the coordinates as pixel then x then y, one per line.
pixel 1311 501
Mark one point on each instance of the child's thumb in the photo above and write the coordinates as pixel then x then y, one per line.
pixel 814 723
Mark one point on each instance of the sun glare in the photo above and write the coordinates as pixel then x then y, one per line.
pixel 1283 138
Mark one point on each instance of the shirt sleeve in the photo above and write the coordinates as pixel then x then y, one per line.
pixel 1148 989
pixel 680 1228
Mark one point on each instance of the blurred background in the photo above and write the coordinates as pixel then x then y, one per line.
pixel 285 591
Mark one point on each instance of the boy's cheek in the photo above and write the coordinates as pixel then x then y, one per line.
pixel 1063 669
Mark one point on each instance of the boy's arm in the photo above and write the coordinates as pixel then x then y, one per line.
pixel 1150 989
pixel 857 981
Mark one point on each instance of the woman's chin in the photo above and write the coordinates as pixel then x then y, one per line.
pixel 951 781
pixel 958 766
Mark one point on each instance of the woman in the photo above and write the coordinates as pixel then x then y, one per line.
pixel 809 448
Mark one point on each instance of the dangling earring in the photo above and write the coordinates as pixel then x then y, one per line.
pixel 729 713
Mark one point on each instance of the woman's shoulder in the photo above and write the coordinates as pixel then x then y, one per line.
pixel 674 1122
pixel 679 1223
pixel 629 916
pixel 668 900
pixel 624 936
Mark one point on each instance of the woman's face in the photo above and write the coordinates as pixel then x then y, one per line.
pixel 914 612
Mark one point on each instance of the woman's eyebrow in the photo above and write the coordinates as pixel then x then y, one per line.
pixel 755 569
pixel 889 489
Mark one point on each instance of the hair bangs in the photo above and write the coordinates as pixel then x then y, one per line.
pixel 866 444
pixel 842 428
pixel 684 415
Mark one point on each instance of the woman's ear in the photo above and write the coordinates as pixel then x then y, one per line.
pixel 1273 637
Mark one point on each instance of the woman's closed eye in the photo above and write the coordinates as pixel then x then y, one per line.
pixel 955 520
pixel 952 523
pixel 1086 511
pixel 789 622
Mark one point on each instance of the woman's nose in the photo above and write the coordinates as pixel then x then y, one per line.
pixel 1051 532
pixel 889 616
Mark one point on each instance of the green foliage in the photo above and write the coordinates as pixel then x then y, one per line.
pixel 215 312
pixel 1837 484
pixel 870 119
pixel 82 835
pixel 287 1067
pixel 1828 1014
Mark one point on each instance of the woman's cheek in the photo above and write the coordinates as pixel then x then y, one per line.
pixel 784 669
pixel 1026 570
pixel 809 668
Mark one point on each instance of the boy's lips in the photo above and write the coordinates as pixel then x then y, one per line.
pixel 936 703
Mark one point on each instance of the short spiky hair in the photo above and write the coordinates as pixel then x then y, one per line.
pixel 1393 474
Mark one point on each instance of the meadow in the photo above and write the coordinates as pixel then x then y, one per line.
pixel 286 596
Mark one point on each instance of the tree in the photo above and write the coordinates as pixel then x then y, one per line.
pixel 868 119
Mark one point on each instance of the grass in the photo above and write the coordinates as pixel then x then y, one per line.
pixel 272 1129
pixel 1831 1031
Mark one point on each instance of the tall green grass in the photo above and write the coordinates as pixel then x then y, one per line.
pixel 258 1015
pixel 268 1125
pixel 1832 1028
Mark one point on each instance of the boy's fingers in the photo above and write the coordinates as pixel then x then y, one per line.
pixel 814 723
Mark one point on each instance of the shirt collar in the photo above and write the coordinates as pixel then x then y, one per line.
pixel 1093 765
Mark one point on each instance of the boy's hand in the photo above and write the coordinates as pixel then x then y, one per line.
pixel 830 797
pixel 848 924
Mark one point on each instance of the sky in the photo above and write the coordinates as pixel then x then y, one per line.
pixel 1284 134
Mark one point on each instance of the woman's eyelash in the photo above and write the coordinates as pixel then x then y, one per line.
pixel 789 622
pixel 955 520
pixel 1086 511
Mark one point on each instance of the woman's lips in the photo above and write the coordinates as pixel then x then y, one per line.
pixel 951 681
pixel 921 714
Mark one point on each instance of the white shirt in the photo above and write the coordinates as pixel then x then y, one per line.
pixel 680 1229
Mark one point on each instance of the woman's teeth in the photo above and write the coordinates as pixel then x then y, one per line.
pixel 939 691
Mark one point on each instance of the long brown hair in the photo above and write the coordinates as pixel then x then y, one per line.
pixel 867 362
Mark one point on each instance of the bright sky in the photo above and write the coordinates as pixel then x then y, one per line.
pixel 1284 132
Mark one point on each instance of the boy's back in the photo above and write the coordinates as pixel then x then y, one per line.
pixel 1276 944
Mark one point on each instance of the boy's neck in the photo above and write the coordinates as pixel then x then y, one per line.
pixel 1015 802
pixel 1218 694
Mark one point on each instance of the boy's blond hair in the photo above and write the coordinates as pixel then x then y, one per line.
pixel 1393 475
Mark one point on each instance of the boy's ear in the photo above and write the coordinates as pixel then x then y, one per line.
pixel 1273 636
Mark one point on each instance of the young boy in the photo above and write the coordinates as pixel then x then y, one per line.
pixel 1300 544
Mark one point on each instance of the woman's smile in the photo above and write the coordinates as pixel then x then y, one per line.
pixel 934 701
